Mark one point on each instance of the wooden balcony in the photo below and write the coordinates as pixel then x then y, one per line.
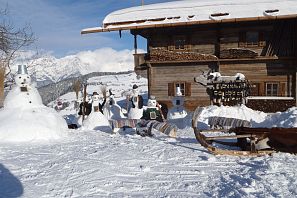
pixel 139 60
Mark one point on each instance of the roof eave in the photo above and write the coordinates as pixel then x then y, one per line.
pixel 232 20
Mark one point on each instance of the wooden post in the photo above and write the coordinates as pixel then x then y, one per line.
pixel 84 100
pixel 296 84
pixel 149 79
pixel 135 44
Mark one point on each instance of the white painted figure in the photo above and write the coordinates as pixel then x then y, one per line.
pixel 111 109
pixel 136 100
pixel 96 120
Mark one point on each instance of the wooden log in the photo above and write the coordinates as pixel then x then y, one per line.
pixel 226 137
pixel 233 53
pixel 159 54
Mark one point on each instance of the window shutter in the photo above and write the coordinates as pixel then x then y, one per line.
pixel 170 89
pixel 255 89
pixel 262 89
pixel 282 90
pixel 188 89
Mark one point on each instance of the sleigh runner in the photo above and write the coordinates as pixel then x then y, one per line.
pixel 236 137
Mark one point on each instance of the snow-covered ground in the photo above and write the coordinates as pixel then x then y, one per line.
pixel 99 164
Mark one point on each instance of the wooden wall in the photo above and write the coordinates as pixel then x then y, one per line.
pixel 273 61
pixel 261 72
pixel 162 75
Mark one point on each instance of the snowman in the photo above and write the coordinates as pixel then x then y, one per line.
pixel 96 120
pixel 24 94
pixel 153 118
pixel 111 109
pixel 27 119
pixel 136 110
pixel 153 110
pixel 177 113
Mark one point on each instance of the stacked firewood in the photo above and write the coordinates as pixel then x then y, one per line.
pixel 166 55
pixel 270 106
pixel 237 53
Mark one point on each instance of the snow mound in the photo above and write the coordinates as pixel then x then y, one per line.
pixel 97 121
pixel 35 124
pixel 287 119
pixel 24 118
pixel 239 112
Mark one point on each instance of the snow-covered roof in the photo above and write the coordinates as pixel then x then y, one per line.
pixel 189 12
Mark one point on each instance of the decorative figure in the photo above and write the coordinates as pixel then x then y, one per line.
pixel 96 120
pixel 24 94
pixel 112 110
pixel 154 119
pixel 153 111
pixel 136 110
pixel 177 113
pixel 85 109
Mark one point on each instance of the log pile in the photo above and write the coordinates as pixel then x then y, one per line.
pixel 270 106
pixel 233 53
pixel 157 55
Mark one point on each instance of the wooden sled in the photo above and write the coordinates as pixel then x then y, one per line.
pixel 245 138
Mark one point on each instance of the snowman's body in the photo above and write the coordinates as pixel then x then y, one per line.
pixel 177 113
pixel 152 112
pixel 136 111
pixel 96 120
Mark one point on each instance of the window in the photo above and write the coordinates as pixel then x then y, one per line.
pixel 185 88
pixel 252 39
pixel 180 42
pixel 272 89
pixel 181 87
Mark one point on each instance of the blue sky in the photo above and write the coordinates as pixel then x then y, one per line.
pixel 57 23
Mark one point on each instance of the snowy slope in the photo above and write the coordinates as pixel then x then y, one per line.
pixel 99 164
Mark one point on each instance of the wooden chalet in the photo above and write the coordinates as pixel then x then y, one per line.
pixel 257 38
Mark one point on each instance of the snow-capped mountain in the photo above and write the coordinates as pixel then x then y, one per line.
pixel 46 68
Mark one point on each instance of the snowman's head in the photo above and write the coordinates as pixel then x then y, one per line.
pixel 22 80
pixel 95 96
pixel 135 90
pixel 152 102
